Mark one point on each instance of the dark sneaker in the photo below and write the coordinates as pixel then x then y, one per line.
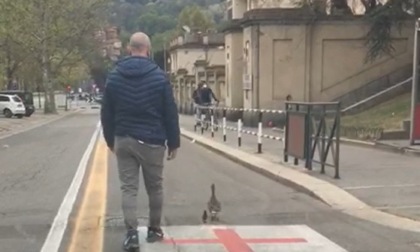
pixel 154 234
pixel 131 242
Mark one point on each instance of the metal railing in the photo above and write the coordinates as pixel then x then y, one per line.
pixel 208 121
pixel 308 128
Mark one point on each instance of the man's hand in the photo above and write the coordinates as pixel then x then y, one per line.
pixel 171 154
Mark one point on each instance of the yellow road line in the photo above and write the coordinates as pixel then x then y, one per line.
pixel 88 232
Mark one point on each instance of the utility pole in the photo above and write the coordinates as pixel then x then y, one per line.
pixel 415 99
pixel 206 55
pixel 164 56
pixel 45 73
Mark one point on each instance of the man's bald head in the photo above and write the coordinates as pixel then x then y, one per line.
pixel 140 44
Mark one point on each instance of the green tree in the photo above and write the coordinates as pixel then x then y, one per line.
pixel 193 17
pixel 13 59
pixel 383 19
pixel 53 33
pixel 161 39
pixel 152 23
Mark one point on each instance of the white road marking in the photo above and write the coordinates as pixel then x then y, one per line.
pixel 398 207
pixel 55 235
pixel 257 238
pixel 379 186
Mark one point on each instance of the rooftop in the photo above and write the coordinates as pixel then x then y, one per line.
pixel 198 40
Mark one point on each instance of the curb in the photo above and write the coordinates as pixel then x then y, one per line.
pixel 333 196
pixel 384 147
pixel 39 124
pixel 378 146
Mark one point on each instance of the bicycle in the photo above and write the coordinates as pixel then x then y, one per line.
pixel 206 110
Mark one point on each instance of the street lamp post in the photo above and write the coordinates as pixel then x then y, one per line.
pixel 415 99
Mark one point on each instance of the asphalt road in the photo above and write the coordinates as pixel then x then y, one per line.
pixel 247 199
pixel 38 166
pixel 36 169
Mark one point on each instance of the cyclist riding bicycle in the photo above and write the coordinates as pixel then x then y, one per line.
pixel 197 102
pixel 206 97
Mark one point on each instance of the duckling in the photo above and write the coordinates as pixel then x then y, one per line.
pixel 204 216
pixel 214 205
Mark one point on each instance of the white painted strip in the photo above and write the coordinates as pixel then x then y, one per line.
pixel 315 242
pixel 379 186
pixel 55 235
pixel 398 207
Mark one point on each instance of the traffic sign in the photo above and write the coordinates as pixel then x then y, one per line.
pixel 240 239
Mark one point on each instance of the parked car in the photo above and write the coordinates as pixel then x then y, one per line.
pixel 12 105
pixel 26 97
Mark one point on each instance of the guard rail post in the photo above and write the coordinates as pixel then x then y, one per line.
pixel 260 131
pixel 195 118
pixel 224 125
pixel 239 132
pixel 212 121
pixel 202 117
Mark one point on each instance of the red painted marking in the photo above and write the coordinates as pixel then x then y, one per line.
pixel 233 242
pixel 191 241
pixel 275 240
pixel 252 240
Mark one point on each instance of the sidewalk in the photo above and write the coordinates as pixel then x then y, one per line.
pixel 402 144
pixel 11 126
pixel 386 181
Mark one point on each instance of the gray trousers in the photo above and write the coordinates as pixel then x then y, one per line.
pixel 131 156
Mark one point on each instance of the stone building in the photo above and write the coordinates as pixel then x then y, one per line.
pixel 192 58
pixel 275 52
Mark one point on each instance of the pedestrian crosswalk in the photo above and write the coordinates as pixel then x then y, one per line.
pixel 288 238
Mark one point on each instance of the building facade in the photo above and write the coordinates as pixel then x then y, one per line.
pixel 109 41
pixel 274 52
pixel 192 58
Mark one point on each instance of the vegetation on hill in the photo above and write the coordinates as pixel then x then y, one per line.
pixel 162 19
pixel 388 115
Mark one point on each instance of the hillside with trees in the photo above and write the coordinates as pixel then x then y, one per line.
pixel 162 19
pixel 46 45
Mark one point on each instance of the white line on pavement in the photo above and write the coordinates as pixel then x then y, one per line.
pixel 379 186
pixel 55 235
pixel 398 207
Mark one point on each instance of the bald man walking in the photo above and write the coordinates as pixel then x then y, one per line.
pixel 140 119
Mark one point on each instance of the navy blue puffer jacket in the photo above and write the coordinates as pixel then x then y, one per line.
pixel 138 102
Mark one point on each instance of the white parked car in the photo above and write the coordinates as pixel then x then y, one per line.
pixel 11 105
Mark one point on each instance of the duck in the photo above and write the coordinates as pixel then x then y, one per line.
pixel 204 216
pixel 214 206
